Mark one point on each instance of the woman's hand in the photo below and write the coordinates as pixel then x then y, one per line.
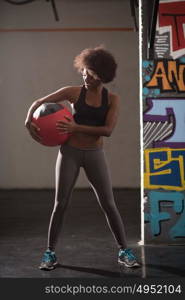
pixel 33 130
pixel 66 126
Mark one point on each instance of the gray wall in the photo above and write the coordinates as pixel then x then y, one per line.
pixel 34 64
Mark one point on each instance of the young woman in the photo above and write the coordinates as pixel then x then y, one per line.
pixel 96 113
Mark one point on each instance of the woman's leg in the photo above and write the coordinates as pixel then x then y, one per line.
pixel 67 170
pixel 98 175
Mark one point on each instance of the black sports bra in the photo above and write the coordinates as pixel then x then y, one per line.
pixel 90 115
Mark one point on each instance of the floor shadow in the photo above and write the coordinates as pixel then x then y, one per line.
pixel 105 273
pixel 166 269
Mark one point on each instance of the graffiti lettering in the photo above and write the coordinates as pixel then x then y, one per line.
pixel 172 20
pixel 159 200
pixel 168 76
pixel 165 168
pixel 165 109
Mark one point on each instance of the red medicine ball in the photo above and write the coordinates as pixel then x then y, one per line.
pixel 45 117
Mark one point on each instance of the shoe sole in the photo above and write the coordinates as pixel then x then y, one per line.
pixel 48 268
pixel 135 265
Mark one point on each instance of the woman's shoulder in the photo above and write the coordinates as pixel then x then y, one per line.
pixel 72 88
pixel 113 98
pixel 72 92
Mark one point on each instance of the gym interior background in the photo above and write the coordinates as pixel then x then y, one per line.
pixel 37 61
pixel 37 52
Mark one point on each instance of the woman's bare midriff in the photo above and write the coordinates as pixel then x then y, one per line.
pixel 84 141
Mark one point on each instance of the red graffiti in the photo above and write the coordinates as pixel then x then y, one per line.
pixel 173 14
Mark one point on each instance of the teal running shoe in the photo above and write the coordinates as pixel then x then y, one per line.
pixel 49 261
pixel 127 258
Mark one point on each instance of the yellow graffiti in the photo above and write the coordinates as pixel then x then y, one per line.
pixel 152 169
pixel 166 75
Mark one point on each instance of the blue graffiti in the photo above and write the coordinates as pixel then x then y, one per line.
pixel 179 229
pixel 173 177
pixel 157 200
pixel 161 109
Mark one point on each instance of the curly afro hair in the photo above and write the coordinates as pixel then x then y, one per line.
pixel 99 60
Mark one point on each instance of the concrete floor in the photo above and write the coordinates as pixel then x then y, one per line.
pixel 87 248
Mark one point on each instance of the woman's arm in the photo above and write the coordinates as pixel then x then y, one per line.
pixel 67 93
pixel 106 130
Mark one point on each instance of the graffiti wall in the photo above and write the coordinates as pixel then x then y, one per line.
pixel 164 127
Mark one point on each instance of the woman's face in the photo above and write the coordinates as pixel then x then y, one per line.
pixel 91 80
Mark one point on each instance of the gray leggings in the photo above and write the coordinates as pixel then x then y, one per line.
pixel 68 165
